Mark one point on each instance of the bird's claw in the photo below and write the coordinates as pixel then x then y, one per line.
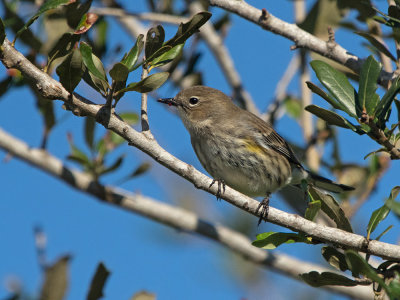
pixel 264 206
pixel 221 187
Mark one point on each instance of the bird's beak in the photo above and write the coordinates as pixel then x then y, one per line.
pixel 169 101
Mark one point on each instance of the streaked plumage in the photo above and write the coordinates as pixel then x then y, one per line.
pixel 239 148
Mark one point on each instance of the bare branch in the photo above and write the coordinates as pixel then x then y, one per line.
pixel 301 38
pixel 152 17
pixel 272 112
pixel 52 89
pixel 143 110
pixel 222 55
pixel 169 215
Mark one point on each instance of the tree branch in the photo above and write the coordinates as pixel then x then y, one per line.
pixel 52 89
pixel 301 38
pixel 171 216
pixel 225 61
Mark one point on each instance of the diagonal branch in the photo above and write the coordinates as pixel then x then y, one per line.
pixel 169 215
pixel 301 38
pixel 52 89
pixel 225 61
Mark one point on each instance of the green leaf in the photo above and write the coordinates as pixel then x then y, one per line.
pixel 148 84
pixel 99 85
pixel 359 265
pixel 55 282
pixel 185 30
pixel 75 11
pixel 131 58
pixel 293 107
pixel 143 168
pixel 129 117
pixel 392 22
pixel 331 117
pixel 335 258
pixel 391 203
pixel 384 232
pixel 95 67
pixel 384 105
pixel 47 5
pixel 367 98
pixel 338 85
pixel 271 240
pixel 377 216
pixel 98 281
pixel 316 279
pixel 381 20
pixel 113 166
pixel 16 23
pixel 119 72
pixel 70 70
pixel 79 156
pixel 2 32
pixel 312 210
pixel 46 108
pixel 62 47
pixel 315 89
pixel 394 288
pixel 90 126
pixel 375 152
pixel 331 208
pixel 167 57
pixel 86 23
pixel 397 103
pixel 154 40
pixel 377 44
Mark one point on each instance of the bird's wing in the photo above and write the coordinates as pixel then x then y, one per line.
pixel 274 141
pixel 268 138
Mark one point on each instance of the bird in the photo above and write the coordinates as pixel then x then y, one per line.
pixel 239 149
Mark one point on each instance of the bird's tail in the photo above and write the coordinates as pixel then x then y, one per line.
pixel 327 184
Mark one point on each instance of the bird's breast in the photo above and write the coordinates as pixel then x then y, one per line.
pixel 243 166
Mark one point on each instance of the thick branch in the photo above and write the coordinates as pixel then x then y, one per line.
pixel 301 38
pixel 52 89
pixel 166 214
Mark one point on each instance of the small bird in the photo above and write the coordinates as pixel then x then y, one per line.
pixel 239 149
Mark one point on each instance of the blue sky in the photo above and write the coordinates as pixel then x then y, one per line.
pixel 140 253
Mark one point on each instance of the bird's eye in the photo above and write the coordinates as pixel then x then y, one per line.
pixel 193 100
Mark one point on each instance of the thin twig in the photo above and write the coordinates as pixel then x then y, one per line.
pixel 143 112
pixel 312 155
pixel 370 186
pixel 225 61
pixel 152 17
pixel 272 112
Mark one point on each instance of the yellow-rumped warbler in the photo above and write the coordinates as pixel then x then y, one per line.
pixel 239 149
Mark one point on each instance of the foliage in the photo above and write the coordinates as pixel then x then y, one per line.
pixel 78 54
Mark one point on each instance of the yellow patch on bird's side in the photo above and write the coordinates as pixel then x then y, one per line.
pixel 253 147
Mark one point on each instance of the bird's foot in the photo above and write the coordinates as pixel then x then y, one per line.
pixel 221 187
pixel 264 206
